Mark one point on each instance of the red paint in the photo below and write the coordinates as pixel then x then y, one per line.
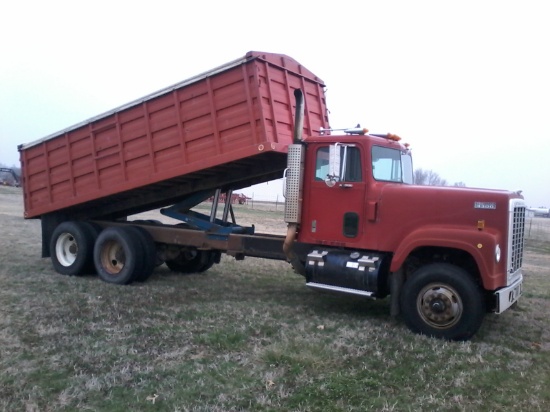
pixel 398 218
pixel 243 110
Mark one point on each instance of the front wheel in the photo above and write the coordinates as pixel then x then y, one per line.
pixel 442 301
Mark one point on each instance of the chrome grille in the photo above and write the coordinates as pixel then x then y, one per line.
pixel 516 236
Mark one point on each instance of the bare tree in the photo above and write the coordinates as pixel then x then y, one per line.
pixel 428 178
pixel 419 177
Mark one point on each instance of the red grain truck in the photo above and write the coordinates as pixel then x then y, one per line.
pixel 355 222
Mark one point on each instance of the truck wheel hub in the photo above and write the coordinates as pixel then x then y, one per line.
pixel 66 249
pixel 440 306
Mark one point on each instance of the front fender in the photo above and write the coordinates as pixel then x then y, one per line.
pixel 478 244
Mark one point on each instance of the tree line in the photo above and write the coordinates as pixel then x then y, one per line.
pixel 430 178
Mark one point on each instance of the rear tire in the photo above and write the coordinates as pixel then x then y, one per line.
pixel 95 230
pixel 442 301
pixel 193 261
pixel 118 255
pixel 71 248
pixel 149 253
pixel 158 260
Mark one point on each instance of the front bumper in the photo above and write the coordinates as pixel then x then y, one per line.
pixel 509 295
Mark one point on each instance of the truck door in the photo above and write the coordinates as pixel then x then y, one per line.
pixel 335 190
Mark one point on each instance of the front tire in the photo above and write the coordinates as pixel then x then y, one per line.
pixel 442 301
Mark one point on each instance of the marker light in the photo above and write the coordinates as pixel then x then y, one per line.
pixel 497 253
pixel 480 224
pixel 393 137
pixel 356 130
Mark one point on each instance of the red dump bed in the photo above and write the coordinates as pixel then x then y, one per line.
pixel 229 127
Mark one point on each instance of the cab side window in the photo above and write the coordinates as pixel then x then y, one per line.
pixel 350 164
pixel 353 165
pixel 321 164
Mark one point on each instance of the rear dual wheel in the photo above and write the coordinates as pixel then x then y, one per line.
pixel 149 253
pixel 71 248
pixel 193 261
pixel 123 254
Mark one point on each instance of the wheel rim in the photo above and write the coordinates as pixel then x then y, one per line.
pixel 188 256
pixel 66 249
pixel 439 305
pixel 113 258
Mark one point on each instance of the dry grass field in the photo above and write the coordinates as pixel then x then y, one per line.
pixel 248 336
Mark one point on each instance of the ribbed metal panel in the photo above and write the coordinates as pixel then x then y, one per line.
pixel 294 180
pixel 229 126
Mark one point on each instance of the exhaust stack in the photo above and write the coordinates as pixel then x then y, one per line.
pixel 299 116
pixel 293 187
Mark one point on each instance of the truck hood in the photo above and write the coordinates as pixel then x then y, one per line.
pixel 443 207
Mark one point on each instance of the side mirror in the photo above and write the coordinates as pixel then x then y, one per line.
pixel 334 163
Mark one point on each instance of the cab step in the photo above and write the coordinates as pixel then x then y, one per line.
pixel 340 289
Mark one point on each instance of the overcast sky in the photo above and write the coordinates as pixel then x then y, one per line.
pixel 466 83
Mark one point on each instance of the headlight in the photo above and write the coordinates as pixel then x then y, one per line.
pixel 497 253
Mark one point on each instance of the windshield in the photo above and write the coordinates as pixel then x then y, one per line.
pixel 392 165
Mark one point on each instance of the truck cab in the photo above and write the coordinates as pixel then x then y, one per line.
pixel 343 184
pixel 446 255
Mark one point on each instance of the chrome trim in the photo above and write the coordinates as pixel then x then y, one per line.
pixel 339 289
pixel 509 295
pixel 516 238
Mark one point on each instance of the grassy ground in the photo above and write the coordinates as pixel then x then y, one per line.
pixel 247 336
